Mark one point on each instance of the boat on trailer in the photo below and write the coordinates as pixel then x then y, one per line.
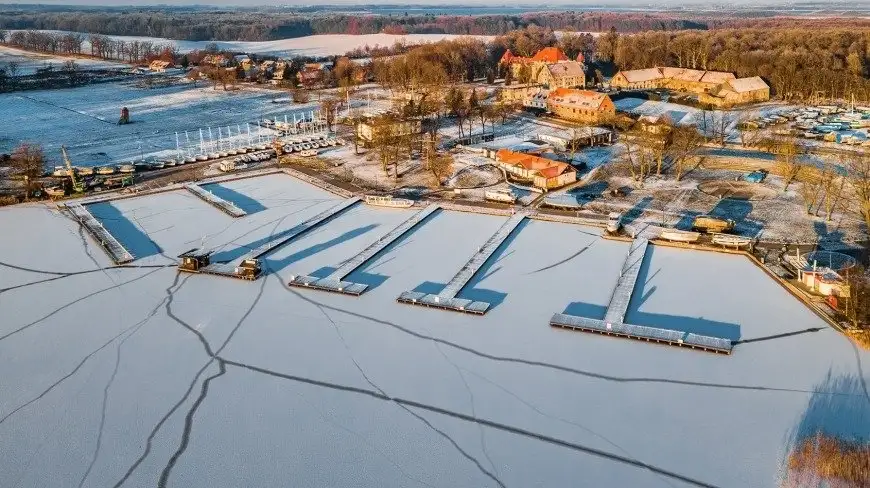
pixel 388 201
pixel 680 236
pixel 729 240
pixel 501 196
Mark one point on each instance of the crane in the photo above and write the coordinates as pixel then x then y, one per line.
pixel 77 185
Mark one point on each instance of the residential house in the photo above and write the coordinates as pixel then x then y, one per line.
pixel 158 66
pixel 569 74
pixel 214 60
pixel 310 74
pixel 580 105
pixel 539 65
pixel 543 173
pixel 371 127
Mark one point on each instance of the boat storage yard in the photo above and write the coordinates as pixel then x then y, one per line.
pixel 139 375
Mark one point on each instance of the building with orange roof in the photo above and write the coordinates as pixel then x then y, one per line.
pixel 580 105
pixel 549 66
pixel 541 172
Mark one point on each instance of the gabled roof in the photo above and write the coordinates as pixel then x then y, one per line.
pixel 568 68
pixel 717 77
pixel 550 55
pixel 683 74
pixel 577 98
pixel 742 85
pixel 641 75
pixel 542 166
pixel 506 57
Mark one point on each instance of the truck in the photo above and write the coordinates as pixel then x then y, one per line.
pixel 710 224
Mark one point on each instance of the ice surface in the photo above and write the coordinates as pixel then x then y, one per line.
pixel 85 119
pixel 317 389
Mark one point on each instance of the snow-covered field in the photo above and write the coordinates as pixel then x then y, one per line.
pixel 27 62
pixel 317 45
pixel 85 118
pixel 152 378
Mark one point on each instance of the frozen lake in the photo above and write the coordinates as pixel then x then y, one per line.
pixel 146 377
pixel 85 118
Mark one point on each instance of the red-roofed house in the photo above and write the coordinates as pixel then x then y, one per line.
pixel 580 105
pixel 541 172
pixel 540 68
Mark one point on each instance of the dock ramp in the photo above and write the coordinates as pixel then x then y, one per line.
pixel 335 281
pixel 116 251
pixel 447 299
pixel 614 318
pixel 228 207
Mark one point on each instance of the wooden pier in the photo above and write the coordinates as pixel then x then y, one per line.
pixel 228 207
pixel 447 299
pixel 614 318
pixel 334 281
pixel 242 266
pixel 116 251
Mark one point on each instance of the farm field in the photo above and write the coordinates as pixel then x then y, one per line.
pixel 142 376
pixel 314 46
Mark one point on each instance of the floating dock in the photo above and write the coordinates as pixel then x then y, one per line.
pixel 117 252
pixel 627 278
pixel 643 333
pixel 614 318
pixel 334 281
pixel 228 207
pixel 447 299
pixel 232 268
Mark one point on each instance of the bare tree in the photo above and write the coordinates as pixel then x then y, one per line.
pixel 787 150
pixel 28 160
pixel 328 106
pixel 637 155
pixel 441 166
pixel 858 168
pixel 685 143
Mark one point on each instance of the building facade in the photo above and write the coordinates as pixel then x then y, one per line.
pixel 716 88
pixel 543 173
pixel 580 105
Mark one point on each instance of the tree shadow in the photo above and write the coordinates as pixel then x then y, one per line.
pixel 738 211
pixel 244 202
pixel 276 265
pixel 827 237
pixel 637 210
pixel 126 232
pixel 687 220
pixel 839 409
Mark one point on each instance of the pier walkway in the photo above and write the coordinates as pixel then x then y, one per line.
pixel 334 281
pixel 230 208
pixel 116 251
pixel 447 299
pixel 231 268
pixel 614 318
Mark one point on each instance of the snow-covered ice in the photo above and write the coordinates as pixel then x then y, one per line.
pixel 317 389
pixel 85 118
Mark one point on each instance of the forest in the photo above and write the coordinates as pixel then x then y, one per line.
pixel 254 25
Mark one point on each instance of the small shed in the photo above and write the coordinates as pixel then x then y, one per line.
pixel 194 260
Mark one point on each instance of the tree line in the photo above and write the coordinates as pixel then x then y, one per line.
pixel 254 25
pixel 95 45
